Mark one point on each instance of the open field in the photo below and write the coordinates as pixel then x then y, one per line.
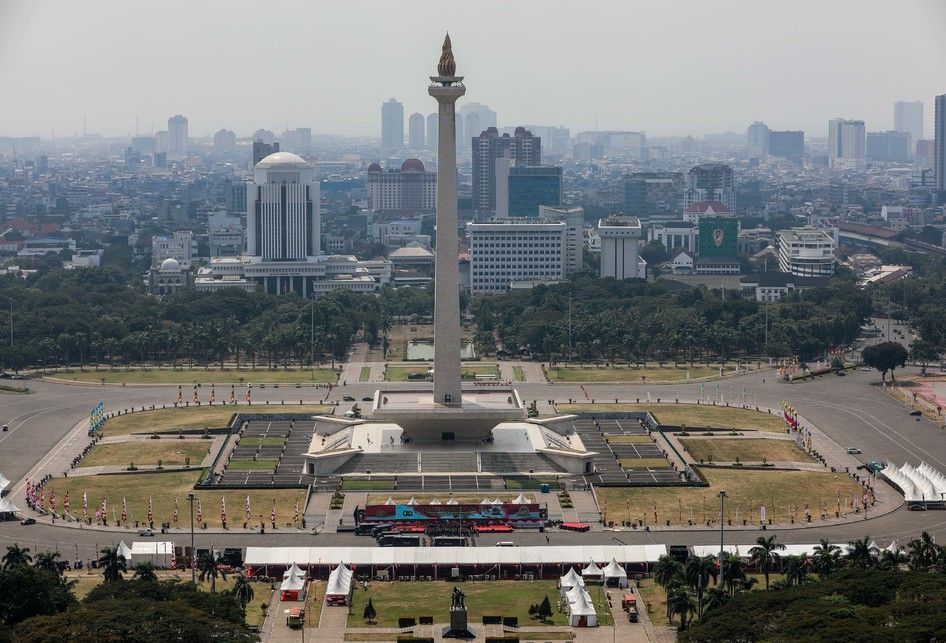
pixel 466 498
pixel 401 373
pixel 262 442
pixel 172 419
pixel 627 439
pixel 163 489
pixel 654 373
pixel 86 580
pixel 691 415
pixel 493 598
pixel 148 452
pixel 251 465
pixel 201 376
pixel 744 450
pixel 641 463
pixel 784 494
pixel 315 596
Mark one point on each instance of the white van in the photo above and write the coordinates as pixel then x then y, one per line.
pixel 506 543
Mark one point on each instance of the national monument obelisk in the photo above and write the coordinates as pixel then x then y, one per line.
pixel 446 87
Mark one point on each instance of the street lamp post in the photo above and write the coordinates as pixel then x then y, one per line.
pixel 722 501
pixel 190 499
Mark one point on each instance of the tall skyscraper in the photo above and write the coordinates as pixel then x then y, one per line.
pixel 532 187
pixel 757 139
pixel 939 143
pixel 224 142
pixel 392 125
pixel 888 146
pixel 846 144
pixel 654 196
pixel 415 131
pixel 485 118
pixel 177 136
pixel 908 117
pixel 710 182
pixel 787 144
pixel 523 148
pixel 261 150
pixel 161 142
pixel 282 210
pixel 446 87
pixel 431 131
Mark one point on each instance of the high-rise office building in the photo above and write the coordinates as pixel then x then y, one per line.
pixel 282 210
pixel 908 117
pixel 888 146
pixel 409 188
pixel 574 219
pixel 484 119
pixel 143 144
pixel 415 131
pixel 620 247
pixel 224 141
pixel 261 150
pixel 432 131
pixel 846 144
pixel 939 143
pixel 787 144
pixel 161 142
pixel 654 195
pixel 507 253
pixel 757 139
pixel 710 182
pixel 531 187
pixel 177 136
pixel 523 148
pixel 264 135
pixel 298 140
pixel 392 125
pixel 925 154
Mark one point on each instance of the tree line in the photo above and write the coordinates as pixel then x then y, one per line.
pixel 607 319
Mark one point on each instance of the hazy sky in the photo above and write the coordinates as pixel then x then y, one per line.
pixel 660 66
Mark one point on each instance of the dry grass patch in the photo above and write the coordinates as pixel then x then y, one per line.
pixel 644 463
pixel 560 373
pixel 744 450
pixel 191 376
pixel 148 452
pixel 694 415
pixel 173 419
pixel 784 494
pixel 628 439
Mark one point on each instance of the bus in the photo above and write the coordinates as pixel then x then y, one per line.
pixel 448 541
pixel 398 540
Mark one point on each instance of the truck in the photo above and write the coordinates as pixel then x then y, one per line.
pixel 629 605
pixel 295 617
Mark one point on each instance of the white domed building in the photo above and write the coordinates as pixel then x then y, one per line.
pixel 168 278
pixel 284 239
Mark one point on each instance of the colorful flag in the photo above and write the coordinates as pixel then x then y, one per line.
pixel 180 394
pixel 213 393
pixel 42 499
pixel 232 395
pixel 52 500
pixel 247 518
pixel 762 513
pixel 175 512
pixel 223 511
pixel 124 510
pixel 104 510
pixel 150 511
pixel 200 512
pixel 65 503
pixel 295 515
pixel 85 505
pixel 272 515
pixel 195 395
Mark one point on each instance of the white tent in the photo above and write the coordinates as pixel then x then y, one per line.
pixel 338 589
pixel 7 507
pixel 293 570
pixel 158 553
pixel 614 572
pixel 570 580
pixel 485 501
pixel 591 571
pixel 435 502
pixel 496 501
pixel 412 501
pixel 520 500
pixel 124 550
pixel 293 583
pixel 452 501
pixel 582 612
pixel 390 501
pixel 4 483
pixel 893 546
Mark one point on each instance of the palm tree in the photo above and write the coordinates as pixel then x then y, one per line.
pixel 680 604
pixel 696 573
pixel 765 555
pixel 207 565
pixel 145 572
pixel 826 558
pixel 242 589
pixel 923 552
pixel 891 560
pixel 48 560
pixel 16 556
pixel 666 570
pixel 716 597
pixel 861 554
pixel 112 564
pixel 795 569
pixel 733 572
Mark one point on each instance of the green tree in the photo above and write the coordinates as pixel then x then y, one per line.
pixel 545 609
pixel 826 558
pixel 667 570
pixel 697 572
pixel 922 553
pixel 923 352
pixel 49 561
pixel 112 564
pixel 29 591
pixel 764 555
pixel 680 604
pixel 884 357
pixel 144 572
pixel 16 556
pixel 861 554
pixel 243 589
pixel 208 567
pixel 795 569
pixel 369 613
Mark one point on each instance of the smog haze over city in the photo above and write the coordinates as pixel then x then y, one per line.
pixel 667 68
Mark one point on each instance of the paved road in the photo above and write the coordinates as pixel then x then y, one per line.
pixel 851 410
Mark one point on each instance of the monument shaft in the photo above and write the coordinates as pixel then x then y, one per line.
pixel 447 387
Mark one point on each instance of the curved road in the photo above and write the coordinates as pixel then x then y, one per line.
pixel 852 410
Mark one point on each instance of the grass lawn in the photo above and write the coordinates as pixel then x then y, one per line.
pixel 779 491
pixel 163 489
pixel 745 450
pixel 600 600
pixel 148 452
pixel 251 465
pixel 315 596
pixel 644 463
pixel 493 598
pixel 365 374
pixel 628 374
pixel 172 419
pixel 655 601
pixel 263 442
pixel 518 373
pixel 691 415
pixel 202 376
pixel 467 498
pixel 627 439
pixel 468 371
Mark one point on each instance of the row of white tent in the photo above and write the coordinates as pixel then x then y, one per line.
pixel 581 609
pixel 6 505
pixel 742 551
pixel 293 580
pixel 917 484
pixel 520 500
pixel 158 553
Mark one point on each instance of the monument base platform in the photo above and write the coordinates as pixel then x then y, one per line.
pixel 459 628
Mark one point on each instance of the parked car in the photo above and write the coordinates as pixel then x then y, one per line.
pixel 28 521
pixel 146 532
pixel 853 451
pixel 348 398
pixel 367 398
pixel 6 427
pixel 916 413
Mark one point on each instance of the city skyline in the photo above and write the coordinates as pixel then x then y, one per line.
pixel 687 89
